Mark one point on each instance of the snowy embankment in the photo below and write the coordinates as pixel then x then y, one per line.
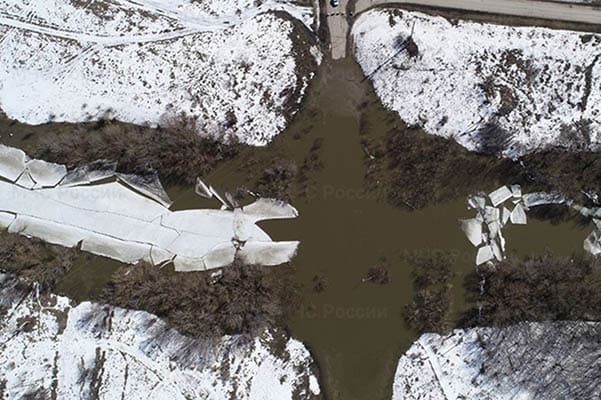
pixel 52 348
pixel 525 361
pixel 227 67
pixel 513 89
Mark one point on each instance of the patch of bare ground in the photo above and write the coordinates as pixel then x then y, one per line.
pixel 242 300
pixel 432 276
pixel 537 288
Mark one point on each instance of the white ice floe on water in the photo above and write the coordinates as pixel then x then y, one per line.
pixel 528 361
pixel 484 231
pixel 226 68
pixel 128 218
pixel 490 87
pixel 53 348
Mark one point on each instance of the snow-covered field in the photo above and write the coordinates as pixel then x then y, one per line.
pixel 558 360
pixel 233 68
pixel 479 83
pixel 52 348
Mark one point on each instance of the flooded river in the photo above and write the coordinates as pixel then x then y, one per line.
pixel 353 328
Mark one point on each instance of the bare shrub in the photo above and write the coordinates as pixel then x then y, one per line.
pixel 178 151
pixel 35 260
pixel 432 275
pixel 277 180
pixel 537 288
pixel 244 300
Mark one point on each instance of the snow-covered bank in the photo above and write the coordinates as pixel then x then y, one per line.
pixel 525 361
pixel 52 348
pixel 228 67
pixel 517 88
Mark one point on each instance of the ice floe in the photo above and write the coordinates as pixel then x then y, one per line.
pixel 485 230
pixel 128 218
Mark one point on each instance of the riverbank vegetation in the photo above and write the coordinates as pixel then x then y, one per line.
pixel 432 275
pixel 536 288
pixel 241 299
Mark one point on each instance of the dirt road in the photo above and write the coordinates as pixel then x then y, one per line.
pixel 339 16
pixel 521 8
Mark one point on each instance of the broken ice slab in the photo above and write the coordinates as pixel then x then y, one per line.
pixel 542 198
pixel 491 214
pixel 125 251
pixel 202 189
pixel 477 202
pixel 516 191
pixel 473 230
pixel 25 181
pixel 500 195
pixel 263 209
pixel 592 243
pixel 149 185
pixel 485 254
pixel 48 231
pixel 46 174
pixel 6 219
pixel 505 215
pixel 226 205
pixel 494 228
pixel 267 253
pixel 90 173
pixel 12 162
pixel 518 215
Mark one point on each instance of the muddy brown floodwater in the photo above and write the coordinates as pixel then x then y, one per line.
pixel 354 329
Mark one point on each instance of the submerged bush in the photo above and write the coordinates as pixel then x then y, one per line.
pixel 35 260
pixel 537 288
pixel 242 300
pixel 432 276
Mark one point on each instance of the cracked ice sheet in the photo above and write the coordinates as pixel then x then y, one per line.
pixel 536 78
pixel 216 70
pixel 112 220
